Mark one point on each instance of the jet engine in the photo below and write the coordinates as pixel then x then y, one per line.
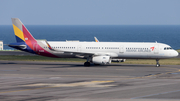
pixel 101 60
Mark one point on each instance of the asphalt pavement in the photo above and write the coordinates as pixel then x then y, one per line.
pixel 71 81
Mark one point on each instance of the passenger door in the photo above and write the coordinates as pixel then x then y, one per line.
pixel 156 49
pixel 79 48
pixel 35 46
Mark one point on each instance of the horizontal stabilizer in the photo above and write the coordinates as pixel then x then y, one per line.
pixel 16 45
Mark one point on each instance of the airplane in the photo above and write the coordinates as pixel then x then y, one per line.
pixel 94 52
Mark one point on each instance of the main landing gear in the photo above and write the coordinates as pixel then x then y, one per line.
pixel 157 63
pixel 87 63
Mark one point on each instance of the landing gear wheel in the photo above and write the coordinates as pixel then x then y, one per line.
pixel 157 63
pixel 87 64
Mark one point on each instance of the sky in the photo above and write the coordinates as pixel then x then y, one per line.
pixel 91 12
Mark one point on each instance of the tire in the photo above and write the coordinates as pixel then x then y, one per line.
pixel 157 65
pixel 87 64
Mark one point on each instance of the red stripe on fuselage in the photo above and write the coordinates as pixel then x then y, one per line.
pixel 43 52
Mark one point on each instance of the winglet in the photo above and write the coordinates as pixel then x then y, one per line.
pixel 96 39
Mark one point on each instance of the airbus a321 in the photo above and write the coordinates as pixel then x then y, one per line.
pixel 93 52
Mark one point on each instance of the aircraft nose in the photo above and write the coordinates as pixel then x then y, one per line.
pixel 175 53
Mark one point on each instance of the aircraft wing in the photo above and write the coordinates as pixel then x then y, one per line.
pixel 84 53
pixel 76 53
pixel 71 52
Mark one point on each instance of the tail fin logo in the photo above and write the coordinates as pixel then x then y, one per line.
pixel 26 38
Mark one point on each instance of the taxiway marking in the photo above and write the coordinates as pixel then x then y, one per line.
pixel 82 84
pixel 48 85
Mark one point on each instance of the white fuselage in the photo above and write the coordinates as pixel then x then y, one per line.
pixel 125 50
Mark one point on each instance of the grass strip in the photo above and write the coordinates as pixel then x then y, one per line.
pixel 37 58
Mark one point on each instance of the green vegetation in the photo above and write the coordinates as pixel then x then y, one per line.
pixel 172 61
pixel 178 50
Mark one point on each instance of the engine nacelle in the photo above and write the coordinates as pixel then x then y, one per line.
pixel 118 60
pixel 101 60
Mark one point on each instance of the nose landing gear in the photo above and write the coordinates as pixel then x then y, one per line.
pixel 157 63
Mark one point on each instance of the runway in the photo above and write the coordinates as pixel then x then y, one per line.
pixel 65 81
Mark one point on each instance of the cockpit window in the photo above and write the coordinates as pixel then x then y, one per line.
pixel 167 48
